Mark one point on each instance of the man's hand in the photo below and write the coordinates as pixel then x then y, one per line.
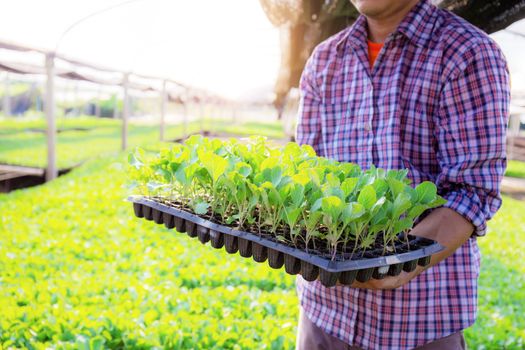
pixel 443 225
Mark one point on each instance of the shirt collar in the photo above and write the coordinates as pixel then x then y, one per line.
pixel 417 26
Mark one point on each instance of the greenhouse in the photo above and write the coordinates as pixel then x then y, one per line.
pixel 272 174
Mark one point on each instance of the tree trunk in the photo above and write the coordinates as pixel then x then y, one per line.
pixel 305 23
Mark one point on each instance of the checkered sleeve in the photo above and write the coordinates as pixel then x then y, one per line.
pixel 308 129
pixel 470 134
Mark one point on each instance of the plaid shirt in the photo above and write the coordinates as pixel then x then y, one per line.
pixel 436 102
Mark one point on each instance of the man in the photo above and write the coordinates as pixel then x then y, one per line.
pixel 435 101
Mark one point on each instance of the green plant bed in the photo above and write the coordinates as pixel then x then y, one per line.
pixel 515 168
pixel 80 271
pixel 73 147
pixel 100 137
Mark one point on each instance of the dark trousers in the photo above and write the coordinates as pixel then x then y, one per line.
pixel 311 337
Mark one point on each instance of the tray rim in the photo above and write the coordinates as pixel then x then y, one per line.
pixel 321 262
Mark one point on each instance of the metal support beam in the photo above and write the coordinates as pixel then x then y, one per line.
pixel 97 104
pixel 163 99
pixel 76 107
pixel 6 105
pixel 125 112
pixel 115 106
pixel 51 171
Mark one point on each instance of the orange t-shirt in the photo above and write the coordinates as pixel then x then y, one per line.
pixel 373 51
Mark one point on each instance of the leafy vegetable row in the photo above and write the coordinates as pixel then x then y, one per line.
pixel 287 192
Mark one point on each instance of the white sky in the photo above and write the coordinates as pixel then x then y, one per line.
pixel 513 47
pixel 226 46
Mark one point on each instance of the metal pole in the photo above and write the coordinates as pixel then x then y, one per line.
pixel 513 133
pixel 163 98
pixel 76 107
pixel 36 95
pixel 51 172
pixel 97 104
pixel 125 112
pixel 6 105
pixel 115 106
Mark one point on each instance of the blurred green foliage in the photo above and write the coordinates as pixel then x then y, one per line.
pixel 79 271
pixel 21 146
pixel 516 168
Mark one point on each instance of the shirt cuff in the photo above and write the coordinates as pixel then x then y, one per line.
pixel 467 205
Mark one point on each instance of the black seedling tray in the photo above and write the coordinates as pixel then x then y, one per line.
pixel 295 261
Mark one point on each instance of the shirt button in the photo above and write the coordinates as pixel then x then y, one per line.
pixel 368 127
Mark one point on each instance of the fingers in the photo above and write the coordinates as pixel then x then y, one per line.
pixel 391 282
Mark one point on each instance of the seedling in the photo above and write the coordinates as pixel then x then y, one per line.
pixel 288 194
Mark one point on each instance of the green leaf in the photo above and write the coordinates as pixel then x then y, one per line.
pixel 292 150
pixel 82 342
pixel 308 150
pixel 313 219
pixel 232 218
pixel 216 165
pixel 367 197
pixel 381 186
pixel 293 215
pixel 164 173
pixel 173 166
pixel 396 186
pixel 349 185
pixel 402 225
pixel 352 211
pixel 269 163
pixel 276 175
pixel 132 185
pixel 401 204
pixel 297 195
pixel 96 343
pixel 284 192
pixel 416 210
pixel 350 169
pixel 332 180
pixel 201 208
pixel 201 174
pixel 399 175
pixel 412 193
pixel 301 178
pixel 181 177
pixel 154 186
pixel 194 140
pixel 313 174
pixel 426 191
pixel 317 205
pixel 332 205
pixel 439 201
pixel 244 169
pixel 333 191
pixel 134 161
pixel 267 185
